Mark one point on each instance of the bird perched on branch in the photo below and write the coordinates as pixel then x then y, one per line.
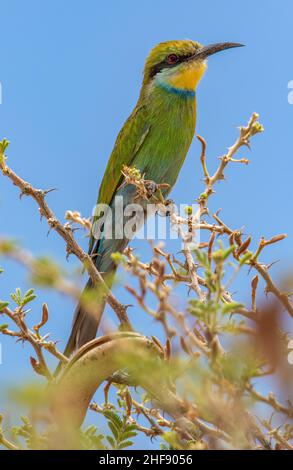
pixel 155 139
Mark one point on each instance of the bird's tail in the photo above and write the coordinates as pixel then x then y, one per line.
pixel 84 326
pixel 86 323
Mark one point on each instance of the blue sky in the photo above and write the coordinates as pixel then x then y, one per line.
pixel 70 74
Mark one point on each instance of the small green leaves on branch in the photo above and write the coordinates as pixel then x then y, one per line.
pixel 3 146
pixel 22 300
pixel 3 305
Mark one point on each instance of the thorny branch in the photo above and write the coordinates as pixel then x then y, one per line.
pixel 217 415
pixel 66 233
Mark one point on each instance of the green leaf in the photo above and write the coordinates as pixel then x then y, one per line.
pixel 16 296
pixel 29 293
pixel 111 441
pixel 4 326
pixel 3 305
pixel 114 418
pixel 245 258
pixel 130 427
pixel 221 255
pixel 128 434
pixel 202 257
pixel 114 429
pixel 20 300
pixel 7 246
pixel 28 299
pixel 91 430
pixel 231 307
pixel 118 258
pixel 228 252
pixel 45 272
pixel 3 146
pixel 125 444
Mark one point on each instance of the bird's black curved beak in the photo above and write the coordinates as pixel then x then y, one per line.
pixel 206 51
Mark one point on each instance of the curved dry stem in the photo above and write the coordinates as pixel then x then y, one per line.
pixel 95 363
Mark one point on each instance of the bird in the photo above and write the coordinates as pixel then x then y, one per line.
pixel 155 140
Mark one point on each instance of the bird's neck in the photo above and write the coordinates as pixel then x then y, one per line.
pixel 182 82
pixel 160 94
pixel 183 92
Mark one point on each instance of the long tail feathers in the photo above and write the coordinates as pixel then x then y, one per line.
pixel 84 327
pixel 85 324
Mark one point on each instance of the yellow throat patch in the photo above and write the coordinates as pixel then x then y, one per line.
pixel 189 76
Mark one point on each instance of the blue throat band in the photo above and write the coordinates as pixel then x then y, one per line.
pixel 177 91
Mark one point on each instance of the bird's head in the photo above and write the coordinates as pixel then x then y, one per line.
pixel 180 64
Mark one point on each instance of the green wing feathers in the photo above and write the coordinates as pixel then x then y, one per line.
pixel 129 141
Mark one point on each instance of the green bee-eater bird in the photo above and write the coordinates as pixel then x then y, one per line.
pixel 155 139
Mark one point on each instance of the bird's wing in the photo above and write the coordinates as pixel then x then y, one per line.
pixel 129 140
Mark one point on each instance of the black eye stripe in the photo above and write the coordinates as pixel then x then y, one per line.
pixel 164 64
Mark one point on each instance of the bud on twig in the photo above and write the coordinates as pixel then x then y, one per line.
pixel 254 284
pixel 243 247
pixel 45 316
pixel 168 350
pixel 37 367
pixel 128 400
pixel 158 344
pixel 275 239
pixel 185 346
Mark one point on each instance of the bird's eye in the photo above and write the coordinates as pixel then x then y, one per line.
pixel 172 59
